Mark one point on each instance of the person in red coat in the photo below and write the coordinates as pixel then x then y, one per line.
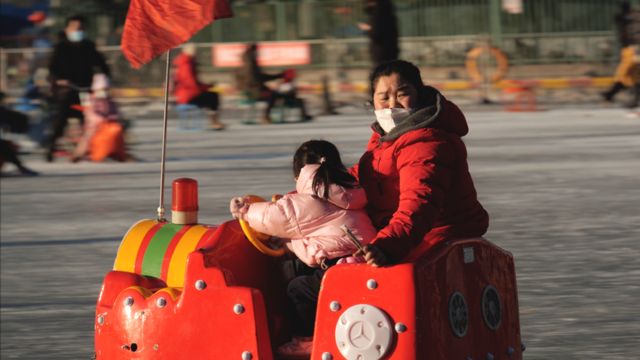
pixel 415 170
pixel 187 89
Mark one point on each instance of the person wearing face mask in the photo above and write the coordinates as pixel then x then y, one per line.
pixel 415 170
pixel 73 63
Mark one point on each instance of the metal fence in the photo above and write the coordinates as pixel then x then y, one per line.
pixel 18 65
pixel 318 19
pixel 278 20
pixel 433 33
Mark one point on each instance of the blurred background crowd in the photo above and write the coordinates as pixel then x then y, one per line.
pixel 515 51
pixel 432 33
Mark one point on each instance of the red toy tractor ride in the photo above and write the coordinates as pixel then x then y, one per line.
pixel 181 290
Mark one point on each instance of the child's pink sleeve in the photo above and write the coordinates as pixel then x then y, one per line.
pixel 274 218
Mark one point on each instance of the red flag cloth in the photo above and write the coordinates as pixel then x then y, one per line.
pixel 155 26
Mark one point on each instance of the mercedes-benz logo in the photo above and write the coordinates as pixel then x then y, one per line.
pixel 361 335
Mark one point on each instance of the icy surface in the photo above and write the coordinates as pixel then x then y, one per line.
pixel 562 188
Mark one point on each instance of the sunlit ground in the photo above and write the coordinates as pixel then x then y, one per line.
pixel 562 187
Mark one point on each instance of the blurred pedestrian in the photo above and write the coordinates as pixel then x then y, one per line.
pixel 382 30
pixel 12 122
pixel 252 82
pixel 74 61
pixel 103 133
pixel 9 153
pixel 41 43
pixel 187 89
pixel 114 38
pixel 627 23
pixel 288 93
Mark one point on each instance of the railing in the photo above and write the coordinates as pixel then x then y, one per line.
pixel 340 55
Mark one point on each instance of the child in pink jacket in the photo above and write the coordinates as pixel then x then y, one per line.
pixel 326 198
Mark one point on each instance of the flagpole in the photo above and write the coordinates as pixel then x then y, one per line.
pixel 164 135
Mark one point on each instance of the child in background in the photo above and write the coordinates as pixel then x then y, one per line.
pixel 309 222
pixel 103 134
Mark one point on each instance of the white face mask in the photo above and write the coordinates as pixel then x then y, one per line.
pixel 75 36
pixel 389 118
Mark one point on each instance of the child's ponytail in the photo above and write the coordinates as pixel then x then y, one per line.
pixel 322 179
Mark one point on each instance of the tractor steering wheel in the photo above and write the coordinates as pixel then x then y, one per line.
pixel 257 238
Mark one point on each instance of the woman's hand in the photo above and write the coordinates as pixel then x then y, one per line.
pixel 238 206
pixel 373 255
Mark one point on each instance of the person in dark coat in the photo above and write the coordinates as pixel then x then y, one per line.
pixel 74 61
pixel 382 30
pixel 252 81
pixel 414 170
pixel 12 122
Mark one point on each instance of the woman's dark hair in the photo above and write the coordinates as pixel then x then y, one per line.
pixel 406 70
pixel 331 170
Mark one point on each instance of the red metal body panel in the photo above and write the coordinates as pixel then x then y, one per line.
pixel 347 284
pixel 417 295
pixel 196 324
pixel 444 271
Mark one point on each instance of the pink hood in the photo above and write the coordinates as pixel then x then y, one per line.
pixel 339 196
pixel 312 223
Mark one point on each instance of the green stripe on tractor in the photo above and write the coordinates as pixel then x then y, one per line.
pixel 154 256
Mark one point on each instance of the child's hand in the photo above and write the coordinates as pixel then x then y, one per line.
pixel 238 206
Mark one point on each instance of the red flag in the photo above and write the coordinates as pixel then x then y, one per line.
pixel 155 26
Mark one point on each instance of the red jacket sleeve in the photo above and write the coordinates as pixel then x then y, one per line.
pixel 425 170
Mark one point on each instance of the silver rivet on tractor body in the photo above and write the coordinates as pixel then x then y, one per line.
pixel 238 309
pixel 372 284
pixel 400 327
pixel 161 302
pixel 334 306
pixel 201 285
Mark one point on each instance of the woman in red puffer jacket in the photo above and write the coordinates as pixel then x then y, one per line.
pixel 415 169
